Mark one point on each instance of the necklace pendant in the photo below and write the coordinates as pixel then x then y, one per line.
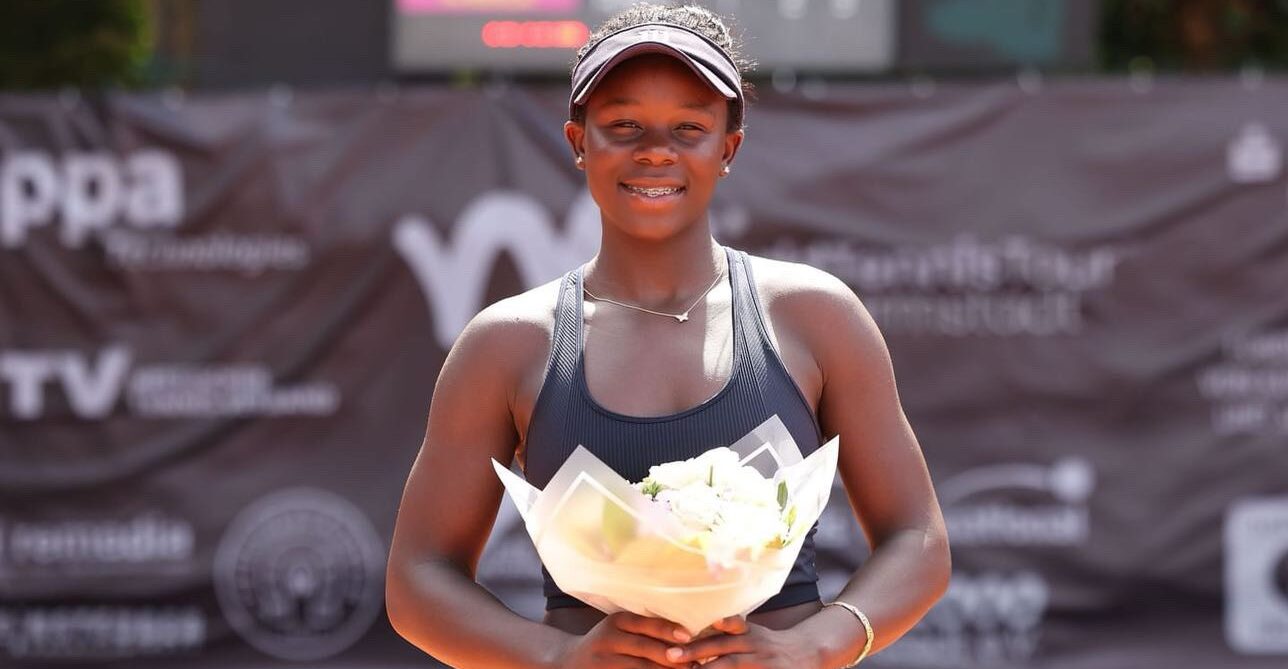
pixel 682 317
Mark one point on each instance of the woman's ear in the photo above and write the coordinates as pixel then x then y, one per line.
pixel 575 133
pixel 732 142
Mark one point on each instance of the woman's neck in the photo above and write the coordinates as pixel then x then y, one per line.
pixel 655 273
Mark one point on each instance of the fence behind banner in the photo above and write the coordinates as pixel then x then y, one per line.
pixel 221 319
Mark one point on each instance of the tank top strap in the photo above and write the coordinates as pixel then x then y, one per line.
pixel 565 346
pixel 747 310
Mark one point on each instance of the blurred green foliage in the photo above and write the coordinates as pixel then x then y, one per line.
pixel 1193 35
pixel 85 43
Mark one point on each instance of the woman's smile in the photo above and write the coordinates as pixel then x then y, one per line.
pixel 653 196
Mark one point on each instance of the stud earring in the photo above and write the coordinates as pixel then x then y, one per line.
pixel 724 170
pixel 581 162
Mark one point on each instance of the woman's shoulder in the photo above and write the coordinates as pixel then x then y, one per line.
pixel 792 285
pixel 514 331
pixel 812 305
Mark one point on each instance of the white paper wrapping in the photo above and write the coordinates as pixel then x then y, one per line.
pixel 609 545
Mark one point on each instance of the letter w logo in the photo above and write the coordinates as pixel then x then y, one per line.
pixel 453 277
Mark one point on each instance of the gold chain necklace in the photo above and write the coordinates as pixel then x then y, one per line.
pixel 680 317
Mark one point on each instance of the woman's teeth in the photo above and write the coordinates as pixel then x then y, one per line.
pixel 654 192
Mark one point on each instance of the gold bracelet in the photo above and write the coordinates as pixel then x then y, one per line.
pixel 867 629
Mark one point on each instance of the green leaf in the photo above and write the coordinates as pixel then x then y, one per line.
pixel 782 495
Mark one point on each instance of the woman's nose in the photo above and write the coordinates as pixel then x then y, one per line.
pixel 655 149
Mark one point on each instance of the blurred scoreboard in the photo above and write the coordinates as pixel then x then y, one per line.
pixel 541 36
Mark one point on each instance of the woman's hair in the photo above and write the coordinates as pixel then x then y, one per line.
pixel 698 19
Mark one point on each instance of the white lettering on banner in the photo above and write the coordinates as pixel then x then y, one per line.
pixel 994 524
pixel 225 390
pixel 247 254
pixel 995 618
pixel 1247 387
pixel 967 287
pixel 453 276
pixel 93 389
pixel 1256 576
pixel 92 545
pixel 100 632
pixel 984 620
pixel 1069 481
pixel 87 192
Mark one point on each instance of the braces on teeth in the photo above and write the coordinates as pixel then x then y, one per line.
pixel 654 192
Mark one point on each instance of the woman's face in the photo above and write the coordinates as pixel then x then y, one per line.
pixel 654 140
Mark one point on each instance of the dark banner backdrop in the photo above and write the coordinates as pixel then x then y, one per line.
pixel 221 319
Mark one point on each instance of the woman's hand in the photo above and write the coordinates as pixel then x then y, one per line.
pixel 744 645
pixel 625 640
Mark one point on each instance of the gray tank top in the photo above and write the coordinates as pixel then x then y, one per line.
pixel 759 386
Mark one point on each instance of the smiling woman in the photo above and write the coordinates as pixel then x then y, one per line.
pixel 653 142
pixel 661 346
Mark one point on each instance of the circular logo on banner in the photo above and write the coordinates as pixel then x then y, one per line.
pixel 299 574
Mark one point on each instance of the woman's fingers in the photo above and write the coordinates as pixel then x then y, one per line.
pixel 713 646
pixel 644 647
pixel 731 625
pixel 656 628
pixel 649 639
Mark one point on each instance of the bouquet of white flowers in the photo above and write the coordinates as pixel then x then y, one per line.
pixel 695 541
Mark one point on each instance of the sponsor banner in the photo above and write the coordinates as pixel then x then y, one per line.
pixel 221 320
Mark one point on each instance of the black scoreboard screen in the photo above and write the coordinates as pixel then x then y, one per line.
pixel 541 36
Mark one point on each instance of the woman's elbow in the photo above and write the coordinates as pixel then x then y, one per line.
pixel 939 558
pixel 395 591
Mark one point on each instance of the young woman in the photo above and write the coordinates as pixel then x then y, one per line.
pixel 662 345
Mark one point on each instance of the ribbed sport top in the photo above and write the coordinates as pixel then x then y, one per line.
pixel 759 386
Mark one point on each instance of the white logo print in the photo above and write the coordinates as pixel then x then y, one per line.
pixel 1256 576
pixel 87 192
pixel 1069 481
pixel 1254 156
pixel 453 275
pixel 300 574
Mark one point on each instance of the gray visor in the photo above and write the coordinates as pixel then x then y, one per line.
pixel 707 60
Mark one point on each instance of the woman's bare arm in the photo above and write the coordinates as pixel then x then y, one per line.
pixel 835 352
pixel 450 502
pixel 449 505
pixel 882 467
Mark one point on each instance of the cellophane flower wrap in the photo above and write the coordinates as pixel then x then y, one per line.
pixel 696 541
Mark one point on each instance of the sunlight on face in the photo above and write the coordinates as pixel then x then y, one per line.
pixel 654 140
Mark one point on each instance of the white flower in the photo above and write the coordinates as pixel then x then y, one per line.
pixel 730 510
pixel 679 474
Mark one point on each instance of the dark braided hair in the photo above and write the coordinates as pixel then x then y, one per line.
pixel 698 19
